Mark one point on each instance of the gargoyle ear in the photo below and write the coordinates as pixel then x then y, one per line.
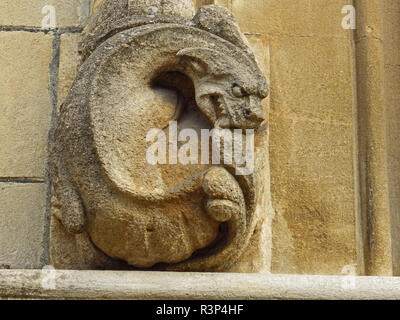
pixel 202 60
pixel 220 21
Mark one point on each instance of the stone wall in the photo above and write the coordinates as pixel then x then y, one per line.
pixel 391 49
pixel 36 70
pixel 333 120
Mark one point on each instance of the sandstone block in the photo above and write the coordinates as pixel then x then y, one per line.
pixel 291 18
pixel 69 13
pixel 311 149
pixel 25 105
pixel 22 217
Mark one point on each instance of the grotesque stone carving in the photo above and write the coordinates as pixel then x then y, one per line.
pixel 144 64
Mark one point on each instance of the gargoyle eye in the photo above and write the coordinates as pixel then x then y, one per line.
pixel 238 91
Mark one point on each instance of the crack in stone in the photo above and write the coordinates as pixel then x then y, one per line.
pixel 38 30
pixel 20 180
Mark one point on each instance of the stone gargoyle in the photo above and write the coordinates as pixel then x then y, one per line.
pixel 145 64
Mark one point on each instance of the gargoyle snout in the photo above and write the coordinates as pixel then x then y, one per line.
pixel 254 113
pixel 257 116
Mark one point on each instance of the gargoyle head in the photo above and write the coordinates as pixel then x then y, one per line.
pixel 229 90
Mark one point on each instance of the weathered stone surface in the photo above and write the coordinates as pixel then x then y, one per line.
pixel 198 286
pixel 190 217
pixel 291 18
pixel 173 8
pixel 314 226
pixel 373 141
pixel 312 156
pixel 68 66
pixel 376 41
pixel 22 217
pixel 111 16
pixel 69 13
pixel 25 103
pixel 391 28
pixel 391 48
pixel 392 101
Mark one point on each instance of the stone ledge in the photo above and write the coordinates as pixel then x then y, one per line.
pixel 212 286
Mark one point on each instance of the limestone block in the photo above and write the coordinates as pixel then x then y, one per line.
pixel 69 13
pixel 312 155
pixel 22 218
pixel 312 78
pixel 291 18
pixel 314 230
pixel 25 104
pixel 392 101
pixel 391 37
